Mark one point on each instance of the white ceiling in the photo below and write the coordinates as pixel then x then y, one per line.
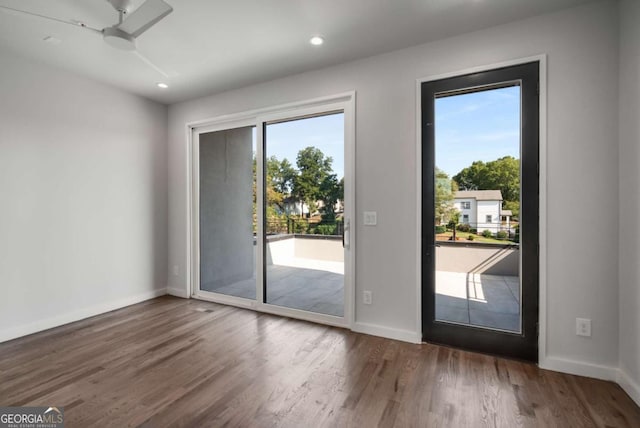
pixel 209 46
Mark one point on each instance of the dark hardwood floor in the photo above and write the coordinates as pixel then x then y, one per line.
pixel 175 362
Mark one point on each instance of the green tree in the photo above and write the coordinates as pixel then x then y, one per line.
pixel 274 197
pixel 331 191
pixel 281 174
pixel 314 170
pixel 280 177
pixel 514 206
pixel 313 181
pixel 501 174
pixel 445 189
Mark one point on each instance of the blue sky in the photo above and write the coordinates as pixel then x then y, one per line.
pixel 286 139
pixel 477 126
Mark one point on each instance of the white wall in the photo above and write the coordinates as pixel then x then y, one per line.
pixel 478 259
pixel 471 212
pixel 485 208
pixel 280 252
pixel 82 197
pixel 581 45
pixel 330 250
pixel 629 86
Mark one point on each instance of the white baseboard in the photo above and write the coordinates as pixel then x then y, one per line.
pixel 388 332
pixel 178 292
pixel 579 368
pixel 45 324
pixel 630 386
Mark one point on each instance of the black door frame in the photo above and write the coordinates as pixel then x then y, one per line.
pixel 524 345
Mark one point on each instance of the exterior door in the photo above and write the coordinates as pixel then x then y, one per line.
pixel 480 137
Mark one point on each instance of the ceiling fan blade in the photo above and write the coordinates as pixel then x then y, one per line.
pixel 145 17
pixel 50 18
pixel 150 64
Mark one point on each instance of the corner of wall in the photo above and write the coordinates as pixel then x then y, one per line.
pixel 630 386
pixel 178 292
pixel 629 205
pixel 387 332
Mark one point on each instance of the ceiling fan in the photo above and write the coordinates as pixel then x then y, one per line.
pixel 123 34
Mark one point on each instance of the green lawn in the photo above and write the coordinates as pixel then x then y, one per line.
pixel 462 237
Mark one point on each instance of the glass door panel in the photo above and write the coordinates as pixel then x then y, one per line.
pixel 304 214
pixel 477 157
pixel 227 183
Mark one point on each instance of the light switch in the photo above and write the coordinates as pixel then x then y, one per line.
pixel 370 218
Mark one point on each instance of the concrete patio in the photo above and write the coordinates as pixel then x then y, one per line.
pixel 303 272
pixel 476 285
pixel 476 299
pixel 466 298
pixel 314 290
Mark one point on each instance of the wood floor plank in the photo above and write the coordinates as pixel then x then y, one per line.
pixel 175 362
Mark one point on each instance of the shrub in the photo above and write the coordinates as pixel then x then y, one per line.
pixel 440 229
pixel 487 233
pixel 473 230
pixel 471 237
pixel 300 226
pixel 501 235
pixel 275 223
pixel 325 229
pixel 464 227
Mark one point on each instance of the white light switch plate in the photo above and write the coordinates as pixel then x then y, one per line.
pixel 370 218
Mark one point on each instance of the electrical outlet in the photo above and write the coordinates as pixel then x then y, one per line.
pixel 583 327
pixel 176 270
pixel 367 297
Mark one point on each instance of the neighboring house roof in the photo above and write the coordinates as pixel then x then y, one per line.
pixel 506 212
pixel 479 195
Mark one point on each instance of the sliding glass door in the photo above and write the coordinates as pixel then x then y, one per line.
pixel 272 198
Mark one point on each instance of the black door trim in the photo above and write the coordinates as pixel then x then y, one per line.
pixel 521 346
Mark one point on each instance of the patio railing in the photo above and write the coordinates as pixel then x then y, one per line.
pixel 302 226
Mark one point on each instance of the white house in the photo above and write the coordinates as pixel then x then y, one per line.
pixel 481 209
pixel 506 218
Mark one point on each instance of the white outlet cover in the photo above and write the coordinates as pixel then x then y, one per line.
pixel 583 327
pixel 367 297
pixel 370 218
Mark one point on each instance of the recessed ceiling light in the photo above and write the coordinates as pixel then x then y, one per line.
pixel 162 85
pixel 316 40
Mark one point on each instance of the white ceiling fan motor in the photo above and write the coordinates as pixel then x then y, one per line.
pixel 119 39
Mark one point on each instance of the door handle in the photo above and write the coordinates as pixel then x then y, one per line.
pixel 345 234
